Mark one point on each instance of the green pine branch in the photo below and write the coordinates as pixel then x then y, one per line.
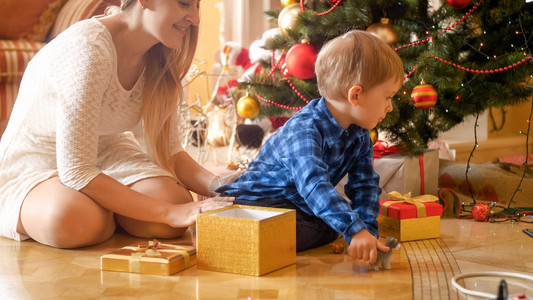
pixel 496 35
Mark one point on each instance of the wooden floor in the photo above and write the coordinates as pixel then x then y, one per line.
pixel 420 270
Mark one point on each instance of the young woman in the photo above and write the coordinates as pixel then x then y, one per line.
pixel 70 168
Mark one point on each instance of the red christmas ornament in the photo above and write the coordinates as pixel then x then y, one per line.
pixel 458 4
pixel 480 212
pixel 424 96
pixel 300 61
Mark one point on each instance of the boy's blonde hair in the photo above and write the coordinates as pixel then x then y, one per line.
pixel 355 58
pixel 163 91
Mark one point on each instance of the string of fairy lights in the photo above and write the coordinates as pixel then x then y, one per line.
pixel 467 211
pixel 427 39
pixel 518 215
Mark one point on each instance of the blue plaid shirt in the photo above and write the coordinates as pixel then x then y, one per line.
pixel 303 162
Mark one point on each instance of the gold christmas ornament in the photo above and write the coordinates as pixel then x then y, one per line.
pixel 248 107
pixel 384 31
pixel 286 3
pixel 374 135
pixel 287 17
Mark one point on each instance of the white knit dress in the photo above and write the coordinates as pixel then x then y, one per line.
pixel 72 119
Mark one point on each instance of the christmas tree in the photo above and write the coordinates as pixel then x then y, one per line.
pixel 460 58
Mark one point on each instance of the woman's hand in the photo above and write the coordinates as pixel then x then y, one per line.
pixel 214 203
pixel 184 215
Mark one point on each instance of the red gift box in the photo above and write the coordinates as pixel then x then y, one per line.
pixel 405 210
pixel 408 219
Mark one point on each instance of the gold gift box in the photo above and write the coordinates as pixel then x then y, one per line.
pixel 248 240
pixel 409 229
pixel 409 219
pixel 153 258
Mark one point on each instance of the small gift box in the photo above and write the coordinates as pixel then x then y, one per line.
pixel 408 219
pixel 248 240
pixel 153 258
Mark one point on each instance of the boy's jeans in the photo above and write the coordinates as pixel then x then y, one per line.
pixel 311 232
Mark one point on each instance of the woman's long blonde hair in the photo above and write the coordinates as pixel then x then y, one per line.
pixel 163 93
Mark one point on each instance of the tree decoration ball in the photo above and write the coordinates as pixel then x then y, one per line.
pixel 300 61
pixel 384 31
pixel 288 16
pixel 248 107
pixel 286 3
pixel 458 4
pixel 424 96
pixel 374 135
pixel 480 212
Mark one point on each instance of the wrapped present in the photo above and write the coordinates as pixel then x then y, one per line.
pixel 152 258
pixel 248 240
pixel 410 218
pixel 403 173
pixel 406 173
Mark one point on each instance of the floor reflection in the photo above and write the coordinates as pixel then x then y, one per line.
pixel 420 270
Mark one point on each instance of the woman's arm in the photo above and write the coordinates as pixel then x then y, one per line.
pixel 197 178
pixel 191 174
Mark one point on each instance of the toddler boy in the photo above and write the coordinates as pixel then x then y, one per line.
pixel 299 166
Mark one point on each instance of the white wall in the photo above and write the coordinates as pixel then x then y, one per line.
pixel 244 21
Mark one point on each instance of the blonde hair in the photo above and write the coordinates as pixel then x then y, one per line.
pixel 355 58
pixel 163 92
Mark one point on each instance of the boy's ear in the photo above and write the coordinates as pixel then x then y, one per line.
pixel 354 93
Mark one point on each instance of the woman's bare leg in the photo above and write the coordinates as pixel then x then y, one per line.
pixel 163 188
pixel 55 215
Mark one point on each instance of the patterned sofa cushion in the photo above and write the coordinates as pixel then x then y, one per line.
pixel 28 19
pixel 14 56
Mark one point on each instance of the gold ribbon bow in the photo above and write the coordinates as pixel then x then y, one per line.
pixel 152 249
pixel 417 201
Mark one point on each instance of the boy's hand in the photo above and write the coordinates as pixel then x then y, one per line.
pixel 364 246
